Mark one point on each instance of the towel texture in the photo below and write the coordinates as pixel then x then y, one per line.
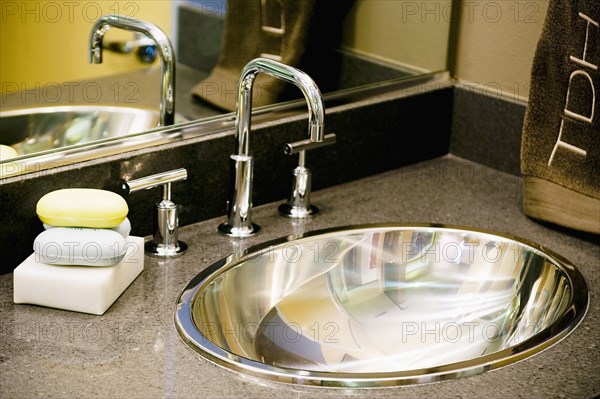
pixel 560 148
pixel 302 34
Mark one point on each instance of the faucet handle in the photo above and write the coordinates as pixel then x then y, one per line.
pixel 164 243
pixel 298 205
pixel 308 144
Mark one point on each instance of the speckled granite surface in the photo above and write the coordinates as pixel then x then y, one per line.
pixel 134 351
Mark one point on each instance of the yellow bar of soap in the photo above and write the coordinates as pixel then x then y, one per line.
pixel 82 207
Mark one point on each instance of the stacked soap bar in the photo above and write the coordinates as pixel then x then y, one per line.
pixel 82 227
pixel 85 257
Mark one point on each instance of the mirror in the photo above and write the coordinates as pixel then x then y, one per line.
pixel 381 40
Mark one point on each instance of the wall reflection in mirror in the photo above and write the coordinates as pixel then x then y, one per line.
pixel 354 44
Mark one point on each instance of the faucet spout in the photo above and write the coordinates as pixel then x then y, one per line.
pixel 312 95
pixel 165 50
pixel 239 223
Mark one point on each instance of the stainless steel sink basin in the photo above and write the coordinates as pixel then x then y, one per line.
pixel 379 305
pixel 32 130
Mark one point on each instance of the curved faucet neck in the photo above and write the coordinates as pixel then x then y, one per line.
pixel 312 95
pixel 165 50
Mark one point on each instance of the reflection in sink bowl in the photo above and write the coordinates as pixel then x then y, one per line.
pixel 378 305
pixel 39 129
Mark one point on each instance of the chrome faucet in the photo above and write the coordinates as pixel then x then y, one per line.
pixel 165 50
pixel 239 222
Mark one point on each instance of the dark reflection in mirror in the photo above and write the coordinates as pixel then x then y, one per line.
pixel 301 34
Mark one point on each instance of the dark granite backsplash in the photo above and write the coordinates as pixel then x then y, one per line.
pixel 487 128
pixel 372 138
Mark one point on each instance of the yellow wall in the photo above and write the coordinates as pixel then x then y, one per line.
pixel 403 32
pixel 45 42
pixel 495 46
pixel 497 41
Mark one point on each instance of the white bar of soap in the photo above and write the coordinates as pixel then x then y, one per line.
pixel 77 288
pixel 124 228
pixel 79 246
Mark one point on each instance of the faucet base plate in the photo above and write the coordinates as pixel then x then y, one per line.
pixel 231 231
pixel 297 212
pixel 151 248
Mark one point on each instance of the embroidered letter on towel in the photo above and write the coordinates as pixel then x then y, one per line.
pixel 579 74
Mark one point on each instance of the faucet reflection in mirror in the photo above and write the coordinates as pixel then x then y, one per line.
pixel 165 50
pixel 239 223
pixel 142 46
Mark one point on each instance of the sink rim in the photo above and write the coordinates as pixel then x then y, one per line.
pixel 548 337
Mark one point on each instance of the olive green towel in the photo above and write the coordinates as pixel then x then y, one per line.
pixel 301 34
pixel 560 148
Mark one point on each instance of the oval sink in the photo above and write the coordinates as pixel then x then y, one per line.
pixel 31 130
pixel 378 305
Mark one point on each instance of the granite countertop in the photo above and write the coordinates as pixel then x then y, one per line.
pixel 133 350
